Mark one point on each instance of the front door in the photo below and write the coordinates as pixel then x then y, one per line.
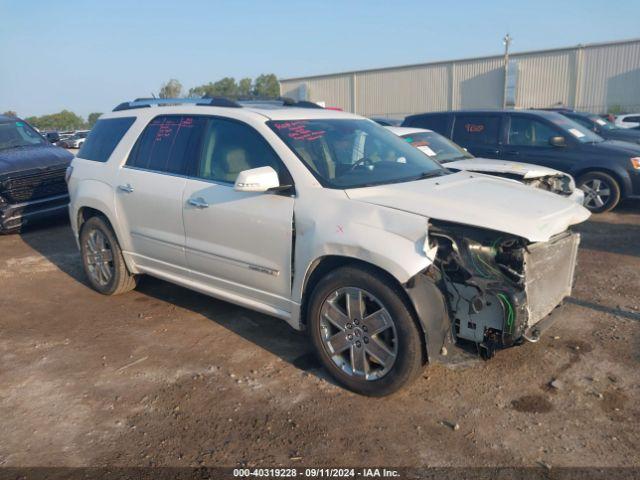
pixel 238 242
pixel 529 142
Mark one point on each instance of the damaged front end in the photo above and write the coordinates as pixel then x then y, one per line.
pixel 560 183
pixel 498 287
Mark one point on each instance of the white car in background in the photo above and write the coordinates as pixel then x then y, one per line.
pixel 628 120
pixel 456 158
pixel 74 141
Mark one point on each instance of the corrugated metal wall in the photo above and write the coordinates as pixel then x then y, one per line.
pixel 590 77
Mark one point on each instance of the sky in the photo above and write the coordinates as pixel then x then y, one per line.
pixel 88 56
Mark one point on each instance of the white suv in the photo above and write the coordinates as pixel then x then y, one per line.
pixel 326 220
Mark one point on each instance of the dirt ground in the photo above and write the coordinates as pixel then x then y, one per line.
pixel 166 376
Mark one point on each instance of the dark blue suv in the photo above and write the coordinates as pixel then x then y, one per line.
pixel 32 176
pixel 607 170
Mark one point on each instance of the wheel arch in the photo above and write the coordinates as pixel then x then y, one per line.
pixel 320 267
pixel 85 212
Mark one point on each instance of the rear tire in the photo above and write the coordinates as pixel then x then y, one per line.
pixel 102 259
pixel 601 191
pixel 364 332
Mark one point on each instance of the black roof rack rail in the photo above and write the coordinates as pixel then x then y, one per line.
pixel 204 101
pixel 216 101
pixel 276 101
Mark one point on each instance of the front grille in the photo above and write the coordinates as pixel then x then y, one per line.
pixel 34 185
pixel 549 269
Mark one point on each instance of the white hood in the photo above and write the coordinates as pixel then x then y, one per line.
pixel 526 170
pixel 482 201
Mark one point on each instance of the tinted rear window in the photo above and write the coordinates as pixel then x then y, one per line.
pixel 104 137
pixel 167 144
pixel 437 123
pixel 476 130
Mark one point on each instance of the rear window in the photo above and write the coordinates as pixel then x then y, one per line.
pixel 476 130
pixel 104 138
pixel 437 123
pixel 167 144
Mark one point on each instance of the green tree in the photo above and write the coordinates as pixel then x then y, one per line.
pixel 245 87
pixel 92 119
pixel 10 113
pixel 267 85
pixel 64 120
pixel 171 89
pixel 226 87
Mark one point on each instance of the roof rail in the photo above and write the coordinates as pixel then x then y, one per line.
pixel 218 102
pixel 277 102
pixel 204 101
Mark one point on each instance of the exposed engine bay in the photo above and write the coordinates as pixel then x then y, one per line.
pixel 499 286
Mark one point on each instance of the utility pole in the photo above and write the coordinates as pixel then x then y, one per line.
pixel 506 41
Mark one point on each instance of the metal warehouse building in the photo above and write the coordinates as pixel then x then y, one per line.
pixel 595 77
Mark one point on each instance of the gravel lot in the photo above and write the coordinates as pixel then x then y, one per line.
pixel 166 376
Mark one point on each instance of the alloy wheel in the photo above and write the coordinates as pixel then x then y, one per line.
pixel 358 333
pixel 596 193
pixel 99 257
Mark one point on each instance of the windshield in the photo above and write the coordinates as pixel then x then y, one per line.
pixel 345 153
pixel 436 146
pixel 16 134
pixel 602 123
pixel 573 128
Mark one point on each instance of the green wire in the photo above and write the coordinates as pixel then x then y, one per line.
pixel 510 314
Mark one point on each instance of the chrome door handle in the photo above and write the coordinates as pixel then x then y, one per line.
pixel 198 202
pixel 127 188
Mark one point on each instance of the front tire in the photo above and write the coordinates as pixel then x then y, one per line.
pixel 364 332
pixel 102 259
pixel 601 191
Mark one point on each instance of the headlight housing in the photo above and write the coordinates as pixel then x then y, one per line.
pixel 635 162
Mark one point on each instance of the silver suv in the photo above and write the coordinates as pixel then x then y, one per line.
pixel 326 220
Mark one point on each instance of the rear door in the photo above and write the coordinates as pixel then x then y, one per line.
pixel 149 191
pixel 238 242
pixel 480 134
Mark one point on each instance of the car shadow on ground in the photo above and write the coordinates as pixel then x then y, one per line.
pixel 54 241
pixel 617 312
pixel 269 333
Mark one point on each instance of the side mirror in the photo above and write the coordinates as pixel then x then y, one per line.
pixel 259 179
pixel 558 141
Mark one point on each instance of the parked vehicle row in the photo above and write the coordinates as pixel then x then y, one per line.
pixel 606 170
pixel 69 139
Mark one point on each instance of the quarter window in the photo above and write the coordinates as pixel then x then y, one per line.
pixel 104 138
pixel 530 132
pixel 167 144
pixel 229 147
pixel 476 130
